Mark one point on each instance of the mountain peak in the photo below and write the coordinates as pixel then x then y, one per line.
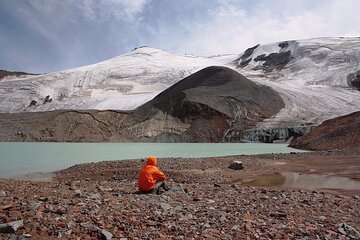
pixel 146 50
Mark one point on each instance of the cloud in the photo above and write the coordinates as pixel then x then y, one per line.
pixel 233 28
pixel 43 36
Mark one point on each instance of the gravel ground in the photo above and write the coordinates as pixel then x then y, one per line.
pixel 100 201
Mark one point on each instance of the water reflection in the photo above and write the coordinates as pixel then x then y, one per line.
pixel 304 181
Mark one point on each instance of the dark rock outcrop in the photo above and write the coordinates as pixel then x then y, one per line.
pixel 274 60
pixel 338 133
pixel 354 80
pixel 62 126
pixel 244 59
pixel 4 73
pixel 210 105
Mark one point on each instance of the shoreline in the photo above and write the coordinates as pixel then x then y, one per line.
pixel 63 156
pixel 89 200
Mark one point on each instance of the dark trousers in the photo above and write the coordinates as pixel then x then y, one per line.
pixel 158 186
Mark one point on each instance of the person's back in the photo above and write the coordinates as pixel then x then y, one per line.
pixel 150 177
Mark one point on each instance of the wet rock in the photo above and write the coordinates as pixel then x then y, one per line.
pixel 11 227
pixel 348 231
pixel 236 165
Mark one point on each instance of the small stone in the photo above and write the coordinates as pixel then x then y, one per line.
pixel 2 194
pixel 235 227
pixel 27 235
pixel 278 214
pixel 236 165
pixel 196 199
pixel 165 206
pixel 78 193
pixel 106 235
pixel 71 224
pixel 206 225
pixel 58 210
pixel 95 196
pixel 223 219
pixel 43 199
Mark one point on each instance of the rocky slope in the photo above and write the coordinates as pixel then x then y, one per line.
pixel 338 133
pixel 62 125
pixel 215 104
pixel 100 201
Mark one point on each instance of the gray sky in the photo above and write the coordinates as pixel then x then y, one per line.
pixel 51 35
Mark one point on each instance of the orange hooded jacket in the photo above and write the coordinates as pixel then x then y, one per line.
pixel 149 175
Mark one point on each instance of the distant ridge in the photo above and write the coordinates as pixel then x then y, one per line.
pixel 5 73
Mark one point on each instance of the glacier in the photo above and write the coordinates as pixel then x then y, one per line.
pixel 312 77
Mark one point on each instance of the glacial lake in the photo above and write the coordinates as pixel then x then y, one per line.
pixel 18 159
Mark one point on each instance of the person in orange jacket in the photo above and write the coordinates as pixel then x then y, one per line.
pixel 151 179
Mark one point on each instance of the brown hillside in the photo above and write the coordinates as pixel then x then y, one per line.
pixel 338 133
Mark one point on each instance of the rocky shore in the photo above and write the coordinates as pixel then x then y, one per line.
pixel 206 201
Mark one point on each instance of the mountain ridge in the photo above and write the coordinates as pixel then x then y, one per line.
pixel 318 79
pixel 215 104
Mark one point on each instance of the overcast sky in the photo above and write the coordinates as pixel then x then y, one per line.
pixel 51 35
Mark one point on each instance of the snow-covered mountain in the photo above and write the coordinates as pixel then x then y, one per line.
pixel 317 79
pixel 121 83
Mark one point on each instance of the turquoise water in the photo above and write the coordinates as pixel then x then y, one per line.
pixel 25 158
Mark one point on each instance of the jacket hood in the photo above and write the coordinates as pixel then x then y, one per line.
pixel 151 161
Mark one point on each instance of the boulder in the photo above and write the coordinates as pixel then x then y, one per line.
pixel 11 227
pixel 348 231
pixel 236 165
pixel 106 235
